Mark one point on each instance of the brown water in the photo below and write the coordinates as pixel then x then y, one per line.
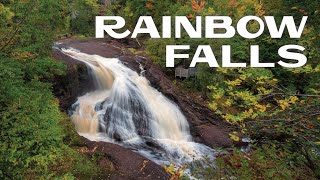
pixel 126 110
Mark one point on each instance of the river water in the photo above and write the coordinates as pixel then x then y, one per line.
pixel 124 109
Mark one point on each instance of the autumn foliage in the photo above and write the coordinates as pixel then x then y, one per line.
pixel 149 5
pixel 198 5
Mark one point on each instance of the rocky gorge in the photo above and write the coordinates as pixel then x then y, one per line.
pixel 205 126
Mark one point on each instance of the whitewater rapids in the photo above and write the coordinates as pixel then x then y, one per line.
pixel 124 109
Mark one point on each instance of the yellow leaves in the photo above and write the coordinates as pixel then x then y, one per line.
pixel 305 69
pixel 259 10
pixel 293 99
pixel 243 130
pixel 264 91
pixel 317 69
pixel 174 171
pixel 234 136
pixel 235 103
pixel 246 96
pixel 228 103
pixel 169 168
pixel 262 80
pixel 210 11
pixel 213 106
pixel 261 108
pixel 230 118
pixel 234 83
pixel 212 87
pixel 248 113
pixel 285 103
pixel 243 77
pixel 218 94
pixel 222 70
pixel 6 12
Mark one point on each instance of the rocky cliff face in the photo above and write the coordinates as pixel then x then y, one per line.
pixel 75 83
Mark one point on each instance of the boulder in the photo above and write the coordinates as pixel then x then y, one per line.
pixel 125 162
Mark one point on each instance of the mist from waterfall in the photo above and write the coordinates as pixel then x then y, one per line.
pixel 124 109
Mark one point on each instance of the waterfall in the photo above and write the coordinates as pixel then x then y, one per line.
pixel 124 109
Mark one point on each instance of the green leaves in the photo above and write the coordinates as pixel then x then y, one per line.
pixel 30 134
pixel 5 14
pixel 82 19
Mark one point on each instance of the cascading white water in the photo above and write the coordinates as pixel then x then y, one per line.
pixel 126 110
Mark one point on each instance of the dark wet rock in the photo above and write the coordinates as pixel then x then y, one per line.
pixel 213 136
pixel 75 83
pixel 106 164
pixel 126 163
pixel 116 136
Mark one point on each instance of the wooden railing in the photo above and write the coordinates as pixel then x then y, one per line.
pixel 185 73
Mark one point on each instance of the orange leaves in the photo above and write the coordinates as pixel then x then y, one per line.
pixel 86 150
pixel 232 4
pixel 260 11
pixel 198 5
pixel 22 55
pixel 190 16
pixel 149 5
